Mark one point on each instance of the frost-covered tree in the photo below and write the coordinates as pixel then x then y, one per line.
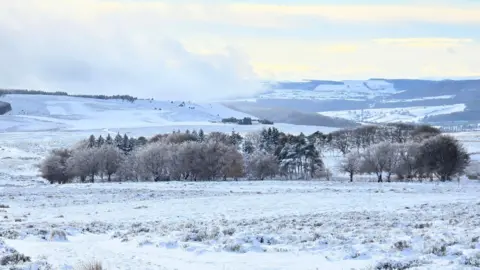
pixel 129 169
pixel 424 132
pixel 201 135
pixel 92 142
pixel 408 160
pixel 341 141
pixel 232 163
pixel 375 159
pixel 252 141
pixel 85 162
pixel 111 159
pixel 393 159
pixel 100 141
pixel 219 137
pixel 54 166
pixel 154 160
pixel 109 139
pixel 261 165
pixel 443 156
pixel 351 164
pixel 118 141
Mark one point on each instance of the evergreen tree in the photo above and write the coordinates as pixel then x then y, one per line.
pixel 133 143
pixel 118 141
pixel 195 135
pixel 100 141
pixel 248 147
pixel 235 138
pixel 92 142
pixel 201 135
pixel 109 140
pixel 126 147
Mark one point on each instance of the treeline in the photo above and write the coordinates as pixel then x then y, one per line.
pixel 246 121
pixel 405 151
pixel 59 93
pixel 396 151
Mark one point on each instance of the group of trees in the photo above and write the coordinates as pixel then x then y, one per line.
pixel 403 151
pixel 246 121
pixel 406 151
pixel 59 93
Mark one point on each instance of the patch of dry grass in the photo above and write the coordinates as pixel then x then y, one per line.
pixel 93 265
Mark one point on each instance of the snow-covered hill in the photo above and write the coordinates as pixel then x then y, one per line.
pixel 64 113
pixel 348 90
pixel 389 115
pixel 382 100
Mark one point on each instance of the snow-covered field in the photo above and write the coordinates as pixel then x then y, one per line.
pixel 142 118
pixel 224 225
pixel 387 115
pixel 233 225
pixel 347 90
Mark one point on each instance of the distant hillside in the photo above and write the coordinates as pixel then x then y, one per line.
pixel 5 107
pixel 317 96
pixel 4 92
pixel 283 115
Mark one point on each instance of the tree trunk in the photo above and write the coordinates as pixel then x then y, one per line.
pixel 351 176
pixel 109 177
pixel 380 179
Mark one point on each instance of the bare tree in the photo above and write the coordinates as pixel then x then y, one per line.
pixel 375 159
pixel 341 140
pixel 393 160
pixel 111 158
pixel 260 165
pixel 444 156
pixel 408 153
pixel 232 164
pixel 129 169
pixel 252 141
pixel 154 161
pixel 351 164
pixel 54 167
pixel 85 162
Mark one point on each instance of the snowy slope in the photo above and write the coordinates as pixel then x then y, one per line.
pixel 143 117
pixel 386 115
pixel 347 90
pixel 39 112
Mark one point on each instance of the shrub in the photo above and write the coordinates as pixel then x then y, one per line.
pixel 93 265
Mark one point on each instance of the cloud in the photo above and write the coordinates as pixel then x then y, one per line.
pixel 424 42
pixel 435 13
pixel 87 46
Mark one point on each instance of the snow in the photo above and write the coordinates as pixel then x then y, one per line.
pixel 348 90
pixel 232 225
pixel 387 115
pixel 216 225
pixel 246 225
pixel 419 99
pixel 62 113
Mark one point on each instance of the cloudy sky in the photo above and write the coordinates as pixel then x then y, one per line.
pixel 212 48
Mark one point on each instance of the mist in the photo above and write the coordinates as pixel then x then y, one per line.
pixel 84 47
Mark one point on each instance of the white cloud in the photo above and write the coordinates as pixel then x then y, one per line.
pixel 157 49
pixel 87 46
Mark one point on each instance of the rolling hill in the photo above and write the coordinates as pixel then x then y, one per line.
pixel 66 113
pixel 440 100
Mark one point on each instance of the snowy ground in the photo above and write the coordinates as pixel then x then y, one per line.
pixel 228 225
pixel 233 225
pixel 388 115
pixel 247 225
